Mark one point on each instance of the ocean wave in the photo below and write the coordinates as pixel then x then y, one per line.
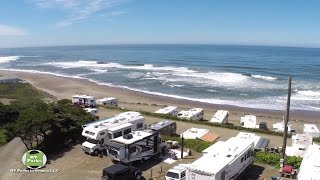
pixel 309 93
pixel 6 59
pixel 264 77
pixel 95 64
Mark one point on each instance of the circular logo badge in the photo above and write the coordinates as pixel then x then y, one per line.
pixel 34 159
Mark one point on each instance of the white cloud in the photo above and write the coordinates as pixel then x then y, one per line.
pixel 77 10
pixel 6 30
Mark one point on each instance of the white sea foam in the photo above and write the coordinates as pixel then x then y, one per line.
pixel 6 59
pixel 309 93
pixel 264 77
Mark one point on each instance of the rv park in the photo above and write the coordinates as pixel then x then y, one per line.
pixel 77 163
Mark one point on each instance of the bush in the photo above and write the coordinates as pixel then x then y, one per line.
pixel 271 159
pixel 3 137
pixel 294 161
pixel 194 144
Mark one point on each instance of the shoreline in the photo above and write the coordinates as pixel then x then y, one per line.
pixel 65 87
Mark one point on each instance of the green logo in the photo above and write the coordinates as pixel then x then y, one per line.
pixel 34 159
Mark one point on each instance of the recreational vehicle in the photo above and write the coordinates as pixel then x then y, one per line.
pixel 177 173
pixel 192 114
pixel 169 110
pixel 202 134
pixel 84 100
pixel 311 129
pixel 260 143
pixel 249 121
pixel 136 146
pixel 92 111
pixel 227 161
pixel 310 166
pixel 100 132
pixel 300 144
pixel 221 116
pixel 108 101
pixel 279 127
pixel 165 127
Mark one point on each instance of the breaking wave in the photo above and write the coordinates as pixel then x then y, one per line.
pixel 6 59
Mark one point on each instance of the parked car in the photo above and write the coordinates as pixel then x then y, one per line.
pixel 121 172
pixel 263 126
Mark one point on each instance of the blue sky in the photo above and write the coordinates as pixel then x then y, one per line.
pixel 77 22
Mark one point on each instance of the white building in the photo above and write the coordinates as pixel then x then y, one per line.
pixel 311 129
pixel 249 121
pixel 221 116
pixel 192 114
pixel 299 146
pixel 310 166
pixel 108 101
pixel 169 110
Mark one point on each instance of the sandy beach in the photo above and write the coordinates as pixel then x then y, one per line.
pixel 64 87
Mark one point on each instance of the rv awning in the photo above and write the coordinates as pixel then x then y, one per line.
pixel 262 143
pixel 209 137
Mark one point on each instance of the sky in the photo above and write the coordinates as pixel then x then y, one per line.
pixel 80 22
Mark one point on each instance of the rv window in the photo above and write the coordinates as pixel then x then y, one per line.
pixel 248 154
pixel 127 131
pixel 183 174
pixel 93 141
pixel 110 135
pixel 242 159
pixel 102 141
pixel 173 175
pixel 91 100
pixel 132 149
pixel 102 133
pixel 139 125
pixel 90 133
pixel 117 134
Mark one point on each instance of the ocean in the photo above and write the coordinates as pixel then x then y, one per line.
pixel 245 76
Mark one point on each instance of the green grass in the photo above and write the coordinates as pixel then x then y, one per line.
pixel 3 137
pixel 21 91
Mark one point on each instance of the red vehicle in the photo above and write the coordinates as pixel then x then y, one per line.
pixel 288 170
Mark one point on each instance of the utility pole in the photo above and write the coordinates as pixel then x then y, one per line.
pixel 182 144
pixel 284 145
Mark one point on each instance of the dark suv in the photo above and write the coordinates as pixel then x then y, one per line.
pixel 121 172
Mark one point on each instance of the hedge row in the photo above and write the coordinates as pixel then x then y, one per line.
pixel 206 122
pixel 273 159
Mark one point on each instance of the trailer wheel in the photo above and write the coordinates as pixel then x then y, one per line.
pixel 96 152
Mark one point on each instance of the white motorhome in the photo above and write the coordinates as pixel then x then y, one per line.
pixel 221 116
pixel 108 101
pixel 230 159
pixel 311 129
pixel 92 111
pixel 249 121
pixel 194 133
pixel 260 143
pixel 300 145
pixel 136 146
pixel 169 110
pixel 310 166
pixel 177 173
pixel 84 100
pixel 192 114
pixel 100 132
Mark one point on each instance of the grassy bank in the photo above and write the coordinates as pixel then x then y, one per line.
pixel 21 91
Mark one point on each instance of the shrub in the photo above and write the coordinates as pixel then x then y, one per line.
pixel 294 161
pixel 272 159
pixel 194 144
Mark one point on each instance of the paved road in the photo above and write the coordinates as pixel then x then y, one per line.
pixel 10 158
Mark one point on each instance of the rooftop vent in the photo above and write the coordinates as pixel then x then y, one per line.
pixel 127 136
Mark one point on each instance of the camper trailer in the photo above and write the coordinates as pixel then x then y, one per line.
pixel 260 143
pixel 249 121
pixel 169 110
pixel 300 144
pixel 84 100
pixel 279 127
pixel 92 111
pixel 100 132
pixel 221 116
pixel 108 101
pixel 136 146
pixel 192 114
pixel 310 166
pixel 231 158
pixel 177 173
pixel 311 129
pixel 165 127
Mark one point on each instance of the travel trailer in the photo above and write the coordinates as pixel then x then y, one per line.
pixel 177 173
pixel 92 111
pixel 310 165
pixel 202 134
pixel 260 143
pixel 192 114
pixel 249 121
pixel 300 145
pixel 84 100
pixel 311 129
pixel 279 127
pixel 221 116
pixel 169 110
pixel 165 127
pixel 108 101
pixel 136 146
pixel 100 132
pixel 227 160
